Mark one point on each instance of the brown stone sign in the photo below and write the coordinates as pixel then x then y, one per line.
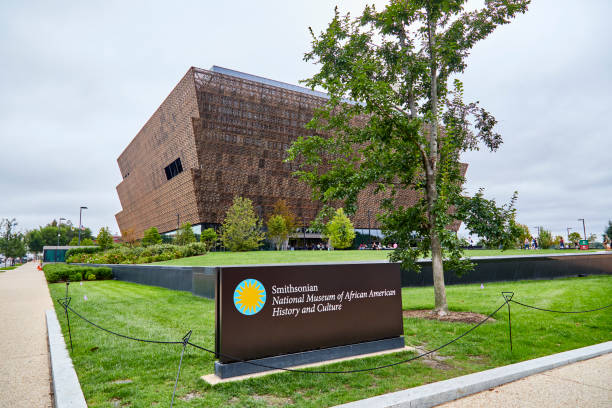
pixel 267 311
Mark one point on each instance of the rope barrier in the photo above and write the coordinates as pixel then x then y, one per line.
pixel 560 311
pixel 283 368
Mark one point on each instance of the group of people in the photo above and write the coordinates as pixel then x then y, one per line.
pixel 533 244
pixel 377 245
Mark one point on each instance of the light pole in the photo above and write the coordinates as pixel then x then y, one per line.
pixel 58 236
pixel 583 226
pixel 80 224
pixel 568 230
pixel 369 234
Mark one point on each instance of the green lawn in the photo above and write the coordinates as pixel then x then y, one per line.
pixel 8 268
pixel 269 257
pixel 103 361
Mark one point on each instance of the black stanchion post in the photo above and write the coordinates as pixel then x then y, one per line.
pixel 66 303
pixel 185 342
pixel 508 297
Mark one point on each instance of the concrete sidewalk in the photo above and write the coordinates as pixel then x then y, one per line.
pixel 24 355
pixel 585 384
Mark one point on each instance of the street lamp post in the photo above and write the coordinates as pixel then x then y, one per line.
pixel 369 234
pixel 80 224
pixel 583 227
pixel 568 230
pixel 58 236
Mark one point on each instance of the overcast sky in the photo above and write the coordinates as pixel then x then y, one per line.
pixel 79 79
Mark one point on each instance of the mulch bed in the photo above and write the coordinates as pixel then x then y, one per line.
pixel 454 317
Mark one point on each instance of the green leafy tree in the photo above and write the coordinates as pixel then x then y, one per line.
pixel 281 208
pixel 407 128
pixel 545 239
pixel 104 239
pixel 185 235
pixel 87 242
pixel 608 231
pixel 592 238
pixel 557 240
pixel 574 237
pixel 34 241
pixel 151 237
pixel 277 230
pixel 241 230
pixel 523 234
pixel 12 243
pixel 208 237
pixel 340 230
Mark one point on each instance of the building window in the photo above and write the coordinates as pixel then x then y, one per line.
pixel 173 168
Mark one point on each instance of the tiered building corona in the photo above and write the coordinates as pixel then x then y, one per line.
pixel 220 134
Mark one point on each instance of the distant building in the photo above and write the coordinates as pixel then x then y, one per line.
pixel 220 134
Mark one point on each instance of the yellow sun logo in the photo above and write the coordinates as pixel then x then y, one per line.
pixel 249 296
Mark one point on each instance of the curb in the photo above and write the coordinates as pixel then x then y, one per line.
pixel 437 393
pixel 66 388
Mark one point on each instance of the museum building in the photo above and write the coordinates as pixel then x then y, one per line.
pixel 220 134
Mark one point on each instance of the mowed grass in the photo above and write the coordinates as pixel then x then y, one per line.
pixel 272 257
pixel 8 268
pixel 104 361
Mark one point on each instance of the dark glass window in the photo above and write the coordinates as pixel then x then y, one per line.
pixel 173 168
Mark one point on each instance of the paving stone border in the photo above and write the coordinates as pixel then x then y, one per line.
pixel 66 387
pixel 430 395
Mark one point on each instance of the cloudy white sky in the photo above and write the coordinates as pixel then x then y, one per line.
pixel 79 79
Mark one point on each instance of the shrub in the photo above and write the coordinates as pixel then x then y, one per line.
pixel 151 237
pixel 62 272
pixel 133 255
pixel 185 235
pixel 91 277
pixel 82 250
pixel 75 276
pixel 208 237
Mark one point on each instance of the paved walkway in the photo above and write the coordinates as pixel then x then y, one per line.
pixel 586 384
pixel 24 355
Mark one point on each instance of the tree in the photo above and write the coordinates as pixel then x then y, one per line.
pixel 608 231
pixel 12 244
pixel 406 128
pixel 128 236
pixel 104 239
pixel 545 239
pixel 241 229
pixel 87 242
pixel 277 230
pixel 557 240
pixel 281 208
pixel 208 237
pixel 523 234
pixel 34 241
pixel 574 237
pixel 592 238
pixel 151 237
pixel 340 230
pixel 185 235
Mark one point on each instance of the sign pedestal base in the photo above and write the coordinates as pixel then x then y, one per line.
pixel 228 370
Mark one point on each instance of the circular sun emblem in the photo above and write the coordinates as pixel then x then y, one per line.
pixel 249 296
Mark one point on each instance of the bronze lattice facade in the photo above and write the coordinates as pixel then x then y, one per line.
pixel 221 134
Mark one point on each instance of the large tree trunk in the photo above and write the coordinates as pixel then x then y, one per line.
pixel 441 306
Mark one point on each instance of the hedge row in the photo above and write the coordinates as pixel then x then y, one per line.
pixel 139 255
pixel 74 273
pixel 83 250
